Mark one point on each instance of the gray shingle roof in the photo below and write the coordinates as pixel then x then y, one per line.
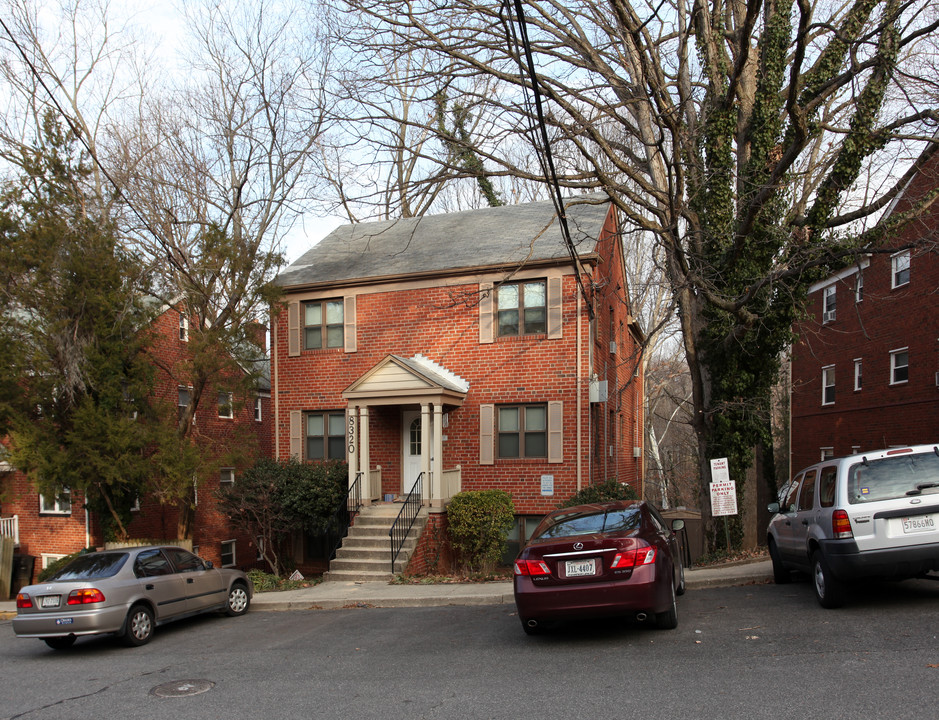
pixel 502 236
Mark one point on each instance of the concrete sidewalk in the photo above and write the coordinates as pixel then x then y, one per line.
pixel 338 594
pixel 329 595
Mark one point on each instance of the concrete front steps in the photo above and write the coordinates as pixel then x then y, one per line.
pixel 365 553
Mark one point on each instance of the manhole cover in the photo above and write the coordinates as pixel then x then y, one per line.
pixel 182 688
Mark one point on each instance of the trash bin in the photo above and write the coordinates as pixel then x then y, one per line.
pixel 22 572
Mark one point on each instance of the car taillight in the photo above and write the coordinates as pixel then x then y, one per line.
pixel 85 596
pixel 632 558
pixel 23 600
pixel 841 524
pixel 531 567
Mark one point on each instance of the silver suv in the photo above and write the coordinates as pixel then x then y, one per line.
pixel 870 515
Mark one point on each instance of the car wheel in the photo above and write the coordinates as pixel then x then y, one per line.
pixel 238 600
pixel 781 575
pixel 829 591
pixel 668 620
pixel 138 628
pixel 680 590
pixel 60 643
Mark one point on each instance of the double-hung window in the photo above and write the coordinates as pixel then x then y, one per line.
pixel 523 431
pixel 828 385
pixel 183 328
pixel 228 553
pixel 858 374
pixel 226 405
pixel 322 324
pixel 831 298
pixel 521 308
pixel 226 476
pixel 326 436
pixel 900 269
pixel 899 366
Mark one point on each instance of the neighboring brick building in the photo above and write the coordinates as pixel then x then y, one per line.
pixel 49 528
pixel 461 346
pixel 865 370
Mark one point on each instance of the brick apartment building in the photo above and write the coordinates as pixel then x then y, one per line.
pixel 463 347
pixel 865 370
pixel 49 528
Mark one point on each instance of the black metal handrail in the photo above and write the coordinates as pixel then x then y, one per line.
pixel 405 520
pixel 339 523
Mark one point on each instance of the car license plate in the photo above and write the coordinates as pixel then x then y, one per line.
pixel 918 524
pixel 49 601
pixel 64 621
pixel 581 568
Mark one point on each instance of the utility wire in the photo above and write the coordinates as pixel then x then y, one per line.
pixel 542 149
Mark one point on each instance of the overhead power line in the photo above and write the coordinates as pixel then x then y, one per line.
pixel 522 45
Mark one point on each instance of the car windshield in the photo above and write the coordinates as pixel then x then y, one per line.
pixel 894 477
pixel 590 522
pixel 93 566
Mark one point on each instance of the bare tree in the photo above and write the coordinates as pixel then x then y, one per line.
pixel 217 171
pixel 758 142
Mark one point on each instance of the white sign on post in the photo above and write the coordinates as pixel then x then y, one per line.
pixel 723 489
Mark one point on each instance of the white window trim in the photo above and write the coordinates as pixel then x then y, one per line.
pixel 183 328
pixel 859 288
pixel 230 407
pixel 893 365
pixel 226 476
pixel 893 268
pixel 830 315
pixel 49 558
pixel 257 409
pixel 58 507
pixel 858 374
pixel 824 386
pixel 234 557
pixel 826 453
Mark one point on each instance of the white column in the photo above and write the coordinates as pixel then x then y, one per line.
pixel 425 449
pixel 437 494
pixel 352 443
pixel 368 492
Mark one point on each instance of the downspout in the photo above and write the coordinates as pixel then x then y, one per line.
pixel 275 377
pixel 580 400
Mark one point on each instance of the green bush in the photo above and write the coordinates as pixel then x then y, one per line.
pixel 479 524
pixel 601 492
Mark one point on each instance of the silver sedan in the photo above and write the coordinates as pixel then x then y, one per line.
pixel 127 592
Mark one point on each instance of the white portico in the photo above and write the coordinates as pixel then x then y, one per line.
pixel 424 391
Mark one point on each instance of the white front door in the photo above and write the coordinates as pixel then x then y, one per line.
pixel 411 451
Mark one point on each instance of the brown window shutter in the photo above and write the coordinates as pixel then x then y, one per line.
pixel 293 329
pixel 485 313
pixel 555 432
pixel 296 434
pixel 487 415
pixel 555 315
pixel 348 317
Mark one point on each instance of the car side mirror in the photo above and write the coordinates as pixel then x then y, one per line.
pixel 208 564
pixel 677 525
pixel 773 507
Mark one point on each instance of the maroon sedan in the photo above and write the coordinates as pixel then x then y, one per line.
pixel 598 560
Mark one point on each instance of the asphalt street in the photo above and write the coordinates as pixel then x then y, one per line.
pixel 757 651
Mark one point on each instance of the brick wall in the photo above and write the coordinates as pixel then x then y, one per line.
pixel 881 413
pixel 442 323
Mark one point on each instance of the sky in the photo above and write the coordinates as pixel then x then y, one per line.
pixel 162 22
